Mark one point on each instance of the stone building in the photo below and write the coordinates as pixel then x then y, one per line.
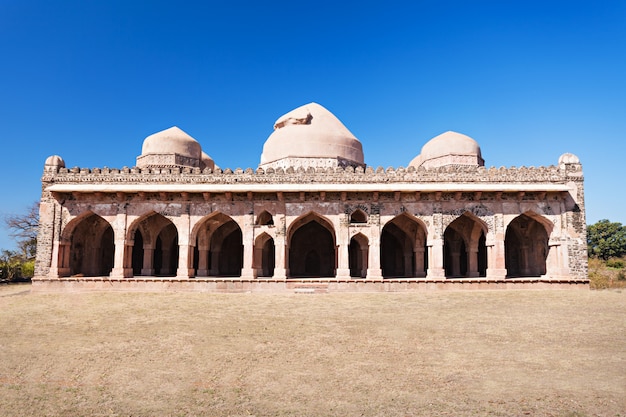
pixel 312 217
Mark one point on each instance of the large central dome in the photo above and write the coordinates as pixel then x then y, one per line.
pixel 311 136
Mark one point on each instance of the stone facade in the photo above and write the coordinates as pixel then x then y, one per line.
pixel 311 229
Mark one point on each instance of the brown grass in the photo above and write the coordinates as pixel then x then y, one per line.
pixel 602 277
pixel 498 353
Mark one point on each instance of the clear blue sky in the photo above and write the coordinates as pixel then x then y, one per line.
pixel 529 80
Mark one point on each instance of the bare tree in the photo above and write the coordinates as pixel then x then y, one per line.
pixel 24 228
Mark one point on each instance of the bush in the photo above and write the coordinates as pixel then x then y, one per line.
pixel 615 263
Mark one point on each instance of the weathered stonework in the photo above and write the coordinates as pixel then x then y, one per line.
pixel 325 226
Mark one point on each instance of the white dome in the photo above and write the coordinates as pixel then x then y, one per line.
pixel 449 148
pixel 53 163
pixel 170 148
pixel 311 136
pixel 568 158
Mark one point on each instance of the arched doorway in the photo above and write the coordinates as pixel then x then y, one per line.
pixel 526 247
pixel 155 246
pixel 312 248
pixel 403 248
pixel 219 247
pixel 264 255
pixel 88 247
pixel 464 250
pixel 357 254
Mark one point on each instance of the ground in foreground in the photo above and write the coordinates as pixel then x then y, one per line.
pixel 500 353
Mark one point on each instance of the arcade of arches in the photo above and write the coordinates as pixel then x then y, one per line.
pixel 311 246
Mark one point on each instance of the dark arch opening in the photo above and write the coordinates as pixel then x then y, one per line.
pixel 265 219
pixel 358 216
pixel 268 258
pixel 230 254
pixel 403 248
pixel 357 256
pixel 92 247
pixel 526 247
pixel 312 252
pixel 464 249
pixel 155 246
pixel 137 253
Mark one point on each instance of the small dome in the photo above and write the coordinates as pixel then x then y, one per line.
pixel 53 163
pixel 170 148
pixel 311 136
pixel 449 148
pixel 568 158
pixel 172 140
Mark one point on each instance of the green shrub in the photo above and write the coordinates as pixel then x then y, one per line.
pixel 615 263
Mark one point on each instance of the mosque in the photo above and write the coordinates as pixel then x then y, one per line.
pixel 312 217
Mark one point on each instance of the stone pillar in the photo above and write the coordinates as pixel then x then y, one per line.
pixel 419 262
pixel 343 247
pixel 64 269
pixel 148 259
pixel 555 265
pixel 128 259
pixel 435 259
pixel 166 264
pixel 495 259
pixel 280 248
pixel 184 270
pixel 374 270
pixel 247 233
pixel 203 261
pixel 408 263
pixel 119 238
pixel 472 262
pixel 215 259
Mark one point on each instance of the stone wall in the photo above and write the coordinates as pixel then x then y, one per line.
pixel 436 208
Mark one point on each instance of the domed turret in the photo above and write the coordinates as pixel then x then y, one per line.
pixel 170 148
pixel 568 158
pixel 53 163
pixel 311 136
pixel 449 148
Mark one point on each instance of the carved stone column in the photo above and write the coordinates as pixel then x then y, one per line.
pixel 184 270
pixel 435 259
pixel 343 248
pixel 203 261
pixel 148 259
pixel 247 233
pixel 280 248
pixel 419 262
pixel 472 262
pixel 374 270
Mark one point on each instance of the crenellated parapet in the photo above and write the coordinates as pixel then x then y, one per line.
pixel 349 174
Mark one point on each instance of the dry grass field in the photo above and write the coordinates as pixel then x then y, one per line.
pixel 473 353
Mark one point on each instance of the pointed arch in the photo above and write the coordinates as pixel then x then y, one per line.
pixel 154 247
pixel 265 218
pixel 358 255
pixel 526 245
pixel 218 246
pixel 403 247
pixel 264 255
pixel 464 250
pixel 87 246
pixel 311 247
pixel 358 216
